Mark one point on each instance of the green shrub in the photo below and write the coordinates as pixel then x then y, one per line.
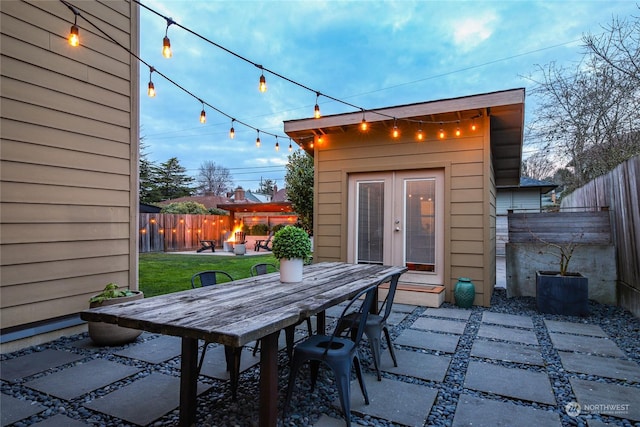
pixel 291 242
pixel 185 208
pixel 260 230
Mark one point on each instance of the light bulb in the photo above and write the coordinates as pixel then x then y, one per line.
pixel 277 146
pixel 203 116
pixel 166 48
pixel 316 111
pixel 74 39
pixel 258 143
pixel 290 147
pixel 441 133
pixel 473 125
pixel 420 135
pixel 151 91
pixel 263 83
pixel 395 132
pixel 232 132
pixel 364 125
pixel 458 131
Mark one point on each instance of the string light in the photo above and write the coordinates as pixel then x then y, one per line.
pixel 232 131
pixel 473 125
pixel 166 43
pixel 395 132
pixel 262 85
pixel 420 134
pixel 151 90
pixel 458 129
pixel 74 33
pixel 290 147
pixel 277 144
pixel 258 143
pixel 363 124
pixel 441 133
pixel 203 114
pixel 316 109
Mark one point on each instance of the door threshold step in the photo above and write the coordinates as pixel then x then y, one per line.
pixel 422 295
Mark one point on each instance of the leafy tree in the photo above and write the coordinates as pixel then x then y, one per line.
pixel 299 184
pixel 172 181
pixel 214 179
pixel 185 208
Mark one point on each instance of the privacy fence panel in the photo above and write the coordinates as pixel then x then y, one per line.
pixel 179 232
pixel 619 190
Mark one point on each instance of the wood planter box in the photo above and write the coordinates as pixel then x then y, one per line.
pixel 566 295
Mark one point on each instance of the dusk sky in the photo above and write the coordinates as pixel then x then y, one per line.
pixel 368 53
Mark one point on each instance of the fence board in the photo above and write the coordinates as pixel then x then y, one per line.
pixel 560 227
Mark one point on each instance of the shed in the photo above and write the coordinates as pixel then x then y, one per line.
pixel 424 198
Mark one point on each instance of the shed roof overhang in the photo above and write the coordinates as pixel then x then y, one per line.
pixel 505 110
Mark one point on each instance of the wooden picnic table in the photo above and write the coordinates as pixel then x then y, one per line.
pixel 239 312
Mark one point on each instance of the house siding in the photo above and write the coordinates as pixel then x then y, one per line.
pixel 469 195
pixel 69 130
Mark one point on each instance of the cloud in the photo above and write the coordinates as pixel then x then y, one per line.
pixel 470 32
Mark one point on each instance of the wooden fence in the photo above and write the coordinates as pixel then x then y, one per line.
pixel 582 228
pixel 178 232
pixel 619 190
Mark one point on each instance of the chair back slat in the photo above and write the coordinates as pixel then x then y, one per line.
pixel 208 278
pixel 387 304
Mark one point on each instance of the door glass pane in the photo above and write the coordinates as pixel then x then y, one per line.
pixel 420 224
pixel 370 225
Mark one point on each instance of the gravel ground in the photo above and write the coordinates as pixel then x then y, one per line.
pixel 306 406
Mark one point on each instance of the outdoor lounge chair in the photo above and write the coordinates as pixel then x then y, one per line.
pixel 264 268
pixel 232 354
pixel 338 352
pixel 207 244
pixel 376 325
pixel 264 244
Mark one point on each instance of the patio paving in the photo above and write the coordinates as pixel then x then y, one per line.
pixel 457 367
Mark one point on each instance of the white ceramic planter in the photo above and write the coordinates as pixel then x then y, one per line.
pixel 291 270
pixel 103 334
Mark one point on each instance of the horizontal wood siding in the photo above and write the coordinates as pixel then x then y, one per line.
pixel 69 157
pixel 466 201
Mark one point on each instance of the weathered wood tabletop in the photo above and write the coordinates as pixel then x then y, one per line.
pixel 238 312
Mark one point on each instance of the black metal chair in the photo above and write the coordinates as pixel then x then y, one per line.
pixel 232 354
pixel 376 325
pixel 263 244
pixel 337 351
pixel 264 268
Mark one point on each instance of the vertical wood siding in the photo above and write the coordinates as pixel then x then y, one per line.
pixel 68 166
pixel 468 200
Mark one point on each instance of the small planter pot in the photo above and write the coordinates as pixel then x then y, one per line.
pixel 566 295
pixel 107 334
pixel 291 270
pixel 239 249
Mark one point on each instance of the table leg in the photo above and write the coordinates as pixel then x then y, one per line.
pixel 269 380
pixel 321 322
pixel 188 382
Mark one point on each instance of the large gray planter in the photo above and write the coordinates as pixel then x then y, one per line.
pixel 567 295
pixel 107 334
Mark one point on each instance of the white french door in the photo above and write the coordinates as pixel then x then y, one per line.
pixel 396 218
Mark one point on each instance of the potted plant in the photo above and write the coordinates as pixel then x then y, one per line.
pixel 292 246
pixel 562 291
pixel 108 334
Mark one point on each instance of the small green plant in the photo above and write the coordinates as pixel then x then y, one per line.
pixel 260 230
pixel 111 291
pixel 291 242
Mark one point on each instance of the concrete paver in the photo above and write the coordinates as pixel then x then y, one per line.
pixel 60 421
pixel 610 399
pixel 417 365
pixel 428 340
pixel 30 364
pixel 478 412
pixel 586 344
pixel 214 365
pixel 157 393
pixel 602 366
pixel 397 401
pixel 504 319
pixel 574 328
pixel 14 409
pixel 507 334
pixel 440 325
pixel 95 374
pixel 452 313
pixel 509 352
pixel 155 350
pixel 510 382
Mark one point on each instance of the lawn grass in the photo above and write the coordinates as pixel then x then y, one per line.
pixel 163 273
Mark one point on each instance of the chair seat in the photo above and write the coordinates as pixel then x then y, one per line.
pixel 314 347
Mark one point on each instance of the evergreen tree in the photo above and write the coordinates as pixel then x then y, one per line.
pixel 172 181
